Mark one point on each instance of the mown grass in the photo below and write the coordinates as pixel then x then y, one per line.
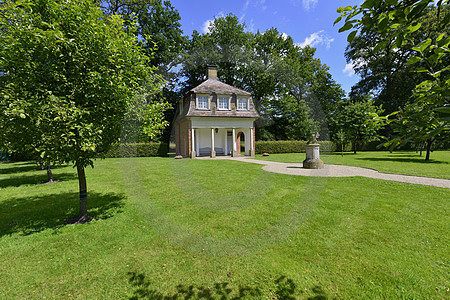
pixel 401 162
pixel 211 229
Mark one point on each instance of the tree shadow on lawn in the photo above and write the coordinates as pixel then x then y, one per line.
pixel 34 179
pixel 15 167
pixel 285 288
pixel 335 153
pixel 33 214
pixel 403 159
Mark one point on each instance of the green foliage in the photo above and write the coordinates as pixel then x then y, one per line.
pixel 144 120
pixel 292 90
pixel 272 147
pixel 68 76
pixel 388 72
pixel 137 150
pixel 158 26
pixel 403 24
pixel 357 122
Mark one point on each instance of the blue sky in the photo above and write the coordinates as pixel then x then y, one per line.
pixel 306 21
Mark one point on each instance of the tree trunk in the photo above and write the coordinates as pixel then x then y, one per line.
pixel 83 192
pixel 354 146
pixel 429 142
pixel 49 173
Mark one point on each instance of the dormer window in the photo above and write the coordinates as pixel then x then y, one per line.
pixel 202 102
pixel 242 104
pixel 223 102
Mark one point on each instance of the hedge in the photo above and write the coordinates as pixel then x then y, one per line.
pixel 294 146
pixel 138 150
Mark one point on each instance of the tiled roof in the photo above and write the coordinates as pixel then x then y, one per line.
pixel 218 87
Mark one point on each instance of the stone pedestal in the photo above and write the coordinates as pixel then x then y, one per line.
pixel 312 160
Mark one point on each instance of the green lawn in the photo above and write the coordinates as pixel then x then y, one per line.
pixel 217 229
pixel 404 162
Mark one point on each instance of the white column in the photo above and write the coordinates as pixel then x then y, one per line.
pixel 197 145
pixel 193 154
pixel 233 151
pixel 213 152
pixel 252 150
pixel 225 142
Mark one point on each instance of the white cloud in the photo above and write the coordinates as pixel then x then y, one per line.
pixel 251 26
pixel 308 4
pixel 244 10
pixel 284 36
pixel 207 23
pixel 246 4
pixel 317 38
pixel 348 70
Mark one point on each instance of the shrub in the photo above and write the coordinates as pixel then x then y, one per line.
pixel 138 150
pixel 294 146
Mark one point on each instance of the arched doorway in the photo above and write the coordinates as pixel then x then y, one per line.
pixel 240 142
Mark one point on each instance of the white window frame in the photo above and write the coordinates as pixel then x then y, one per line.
pixel 228 98
pixel 197 106
pixel 239 100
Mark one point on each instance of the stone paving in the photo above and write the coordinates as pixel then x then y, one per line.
pixel 339 171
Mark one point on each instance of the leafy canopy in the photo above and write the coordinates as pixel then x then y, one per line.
pixel 68 74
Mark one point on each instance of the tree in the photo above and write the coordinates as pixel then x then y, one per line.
pixel 68 74
pixel 357 121
pixel 418 124
pixel 282 77
pixel 158 26
pixel 397 23
pixel 159 31
pixel 144 119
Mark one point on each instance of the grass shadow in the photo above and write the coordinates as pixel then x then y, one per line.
pixel 15 167
pixel 403 160
pixel 33 214
pixel 285 288
pixel 337 153
pixel 34 179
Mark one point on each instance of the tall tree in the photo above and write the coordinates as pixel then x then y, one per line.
pixel 385 72
pixel 400 24
pixel 357 121
pixel 159 30
pixel 282 77
pixel 157 24
pixel 69 72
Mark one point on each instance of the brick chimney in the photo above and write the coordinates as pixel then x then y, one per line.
pixel 212 72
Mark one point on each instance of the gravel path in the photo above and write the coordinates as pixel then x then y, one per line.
pixel 340 171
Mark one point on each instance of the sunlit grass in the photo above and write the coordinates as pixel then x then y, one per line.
pixel 166 228
pixel 402 162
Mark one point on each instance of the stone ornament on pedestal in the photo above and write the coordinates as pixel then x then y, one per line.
pixel 312 160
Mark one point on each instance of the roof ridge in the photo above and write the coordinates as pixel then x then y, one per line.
pixel 217 86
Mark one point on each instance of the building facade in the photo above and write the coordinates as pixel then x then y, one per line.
pixel 215 118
